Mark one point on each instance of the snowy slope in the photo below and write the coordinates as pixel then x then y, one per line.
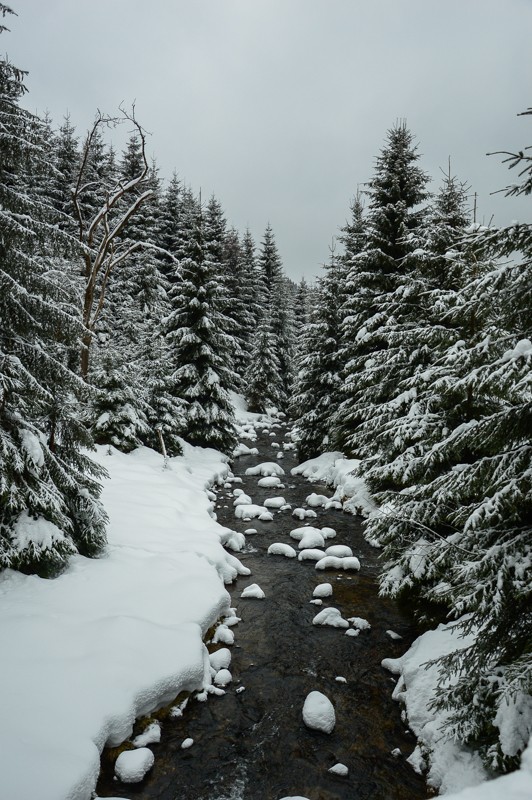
pixel 113 638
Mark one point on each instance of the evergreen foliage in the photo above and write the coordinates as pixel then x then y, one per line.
pixel 49 506
pixel 198 343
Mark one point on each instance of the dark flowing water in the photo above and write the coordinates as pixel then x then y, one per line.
pixel 253 745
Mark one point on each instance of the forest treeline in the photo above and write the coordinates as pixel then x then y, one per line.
pixel 417 360
pixel 130 309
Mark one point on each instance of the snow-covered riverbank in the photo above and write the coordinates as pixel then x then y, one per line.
pixel 449 767
pixel 114 638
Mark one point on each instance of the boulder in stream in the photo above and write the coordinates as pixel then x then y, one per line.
pixel 318 713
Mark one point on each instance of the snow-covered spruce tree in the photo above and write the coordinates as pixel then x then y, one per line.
pixel 263 379
pixel 430 318
pixel 275 293
pixel 462 535
pixel 239 302
pixel 375 273
pixel 318 381
pixel 217 252
pixel 49 505
pixel 199 347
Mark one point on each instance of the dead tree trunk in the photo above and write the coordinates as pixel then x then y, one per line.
pixel 100 236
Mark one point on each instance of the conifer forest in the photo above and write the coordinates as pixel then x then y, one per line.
pixel 132 313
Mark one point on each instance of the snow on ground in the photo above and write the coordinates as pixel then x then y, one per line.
pixel 454 770
pixel 331 617
pixel 281 549
pixel 132 765
pixel 266 470
pixel 116 637
pixel 451 767
pixel 323 590
pixel 253 590
pixel 335 470
pixel 318 712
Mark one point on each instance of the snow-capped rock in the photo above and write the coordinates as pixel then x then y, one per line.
pixel 132 765
pixel 253 590
pixel 318 713
pixel 332 617
pixel 281 549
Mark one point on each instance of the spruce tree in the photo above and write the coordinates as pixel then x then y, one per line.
pixel 318 376
pixel 458 533
pixel 376 277
pixel 198 343
pixel 49 504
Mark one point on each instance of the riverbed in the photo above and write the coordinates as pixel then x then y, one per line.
pixel 251 743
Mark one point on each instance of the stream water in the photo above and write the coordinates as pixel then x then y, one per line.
pixel 253 744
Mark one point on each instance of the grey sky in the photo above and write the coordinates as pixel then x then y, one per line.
pixel 279 106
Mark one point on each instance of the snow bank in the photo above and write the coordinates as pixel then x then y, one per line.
pixel 451 767
pixel 335 470
pixel 116 637
pixel 516 786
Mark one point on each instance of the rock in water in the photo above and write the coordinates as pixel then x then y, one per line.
pixel 318 713
pixel 132 765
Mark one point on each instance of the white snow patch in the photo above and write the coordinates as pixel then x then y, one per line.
pixel 269 482
pixel 132 765
pixel 275 502
pixel 281 549
pixel 331 617
pixel 253 590
pixel 187 743
pixel 310 555
pixel 316 500
pixel 339 769
pixel 149 735
pixel 339 550
pixel 113 638
pixel 267 468
pixel 323 590
pixel 318 712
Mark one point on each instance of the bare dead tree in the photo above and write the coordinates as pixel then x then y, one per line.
pixel 103 249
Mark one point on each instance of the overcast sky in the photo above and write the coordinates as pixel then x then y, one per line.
pixel 280 106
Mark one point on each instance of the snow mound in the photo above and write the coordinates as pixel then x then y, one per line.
pixel 267 468
pixel 339 550
pixel 242 499
pixel 253 590
pixel 318 469
pixel 223 677
pixel 266 516
pixel 132 765
pixel 322 590
pixel 311 539
pixel 223 635
pixel 298 533
pixel 310 555
pixel 318 713
pixel 339 769
pixel 332 562
pixel 316 500
pixel 269 482
pixel 149 735
pixel 244 450
pixel 331 617
pixel 393 635
pixel 249 511
pixel 359 623
pixel 281 549
pixel 187 743
pixel 220 659
pixel 328 533
pixel 304 513
pixel 275 502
